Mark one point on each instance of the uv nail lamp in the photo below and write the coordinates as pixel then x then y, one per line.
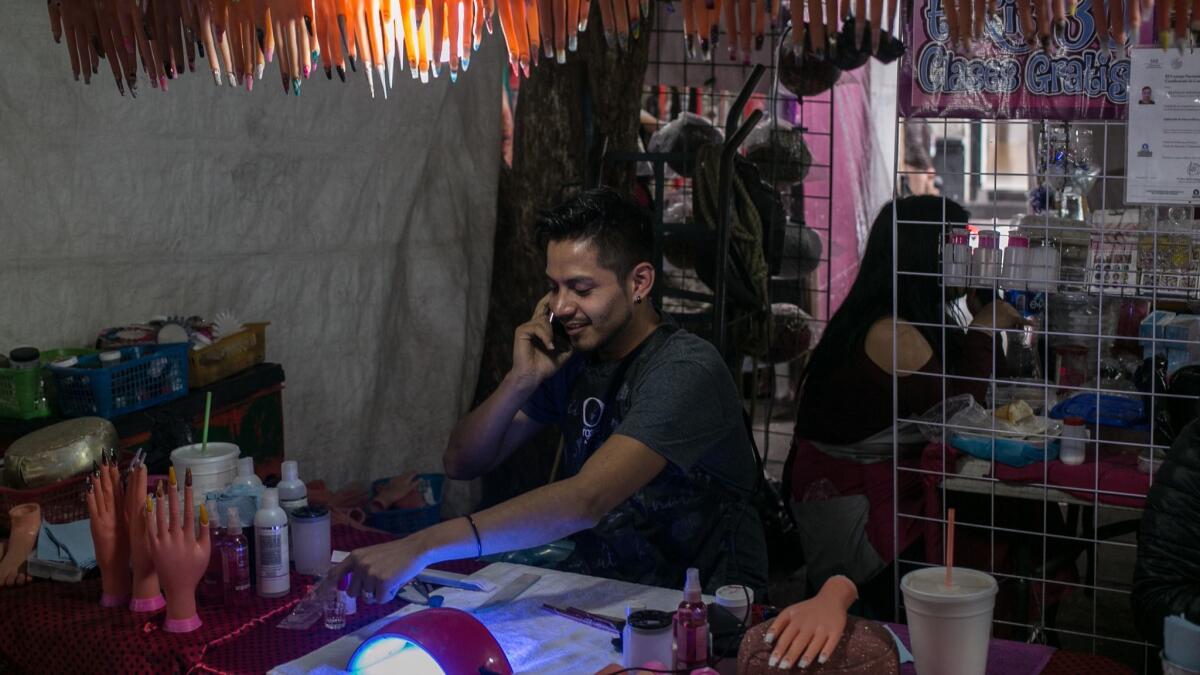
pixel 439 641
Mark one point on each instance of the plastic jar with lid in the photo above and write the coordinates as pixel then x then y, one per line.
pixel 110 359
pixel 1074 442
pixel 986 261
pixel 25 358
pixel 956 259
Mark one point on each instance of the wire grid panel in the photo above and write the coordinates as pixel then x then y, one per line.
pixel 1105 289
pixel 678 81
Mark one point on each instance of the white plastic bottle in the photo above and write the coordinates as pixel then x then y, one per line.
pixel 292 492
pixel 271 564
pixel 246 476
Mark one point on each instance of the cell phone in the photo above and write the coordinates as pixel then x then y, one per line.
pixel 562 341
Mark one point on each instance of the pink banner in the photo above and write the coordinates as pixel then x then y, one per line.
pixel 1007 79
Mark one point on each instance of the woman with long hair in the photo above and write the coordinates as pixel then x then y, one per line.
pixel 841 464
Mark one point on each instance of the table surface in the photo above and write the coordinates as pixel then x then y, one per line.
pixel 42 624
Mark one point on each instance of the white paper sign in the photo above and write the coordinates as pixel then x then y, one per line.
pixel 1163 151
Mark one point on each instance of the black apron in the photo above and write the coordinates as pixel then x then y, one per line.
pixel 677 520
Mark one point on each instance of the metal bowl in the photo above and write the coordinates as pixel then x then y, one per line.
pixel 58 452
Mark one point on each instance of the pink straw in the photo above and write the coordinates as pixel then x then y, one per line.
pixel 950 547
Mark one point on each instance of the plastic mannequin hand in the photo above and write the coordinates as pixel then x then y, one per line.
pixel 807 632
pixel 398 489
pixel 81 31
pixel 110 534
pixel 146 591
pixel 179 555
pixel 26 522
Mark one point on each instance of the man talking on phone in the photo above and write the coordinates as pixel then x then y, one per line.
pixel 657 465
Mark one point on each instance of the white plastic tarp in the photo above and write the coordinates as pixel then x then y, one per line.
pixel 362 229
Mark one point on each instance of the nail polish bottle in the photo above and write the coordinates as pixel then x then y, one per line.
pixel 235 562
pixel 210 587
pixel 691 626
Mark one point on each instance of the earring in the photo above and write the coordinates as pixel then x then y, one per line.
pixel 637 299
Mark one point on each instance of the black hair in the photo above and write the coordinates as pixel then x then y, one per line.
pixel 619 229
pixel 922 223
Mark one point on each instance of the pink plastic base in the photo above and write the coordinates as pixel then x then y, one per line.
pixel 182 625
pixel 147 604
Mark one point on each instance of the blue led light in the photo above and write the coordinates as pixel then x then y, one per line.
pixel 390 654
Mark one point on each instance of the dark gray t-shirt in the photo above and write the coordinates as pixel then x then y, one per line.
pixel 676 397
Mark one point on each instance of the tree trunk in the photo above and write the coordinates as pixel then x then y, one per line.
pixel 565 117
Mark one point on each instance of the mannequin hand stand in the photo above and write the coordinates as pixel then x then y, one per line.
pixel 110 533
pixel 146 594
pixel 179 556
pixel 807 632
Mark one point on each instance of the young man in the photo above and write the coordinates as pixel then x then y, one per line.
pixel 657 466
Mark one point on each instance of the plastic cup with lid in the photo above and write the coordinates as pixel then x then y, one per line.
pixel 950 626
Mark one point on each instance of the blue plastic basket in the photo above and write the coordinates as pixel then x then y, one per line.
pixel 407 521
pixel 147 376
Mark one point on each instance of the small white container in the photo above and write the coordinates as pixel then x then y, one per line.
pixel 110 359
pixel 213 469
pixel 311 546
pixel 1074 441
pixel 736 599
pixel 647 637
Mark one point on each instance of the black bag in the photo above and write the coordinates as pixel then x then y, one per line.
pixel 785 553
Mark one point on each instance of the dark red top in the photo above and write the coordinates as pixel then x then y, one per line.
pixel 857 402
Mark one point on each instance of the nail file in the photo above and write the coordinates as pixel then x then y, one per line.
pixel 436 577
pixel 510 591
pixel 453 580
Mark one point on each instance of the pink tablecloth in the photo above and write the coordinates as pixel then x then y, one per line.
pixel 1116 479
pixel 54 627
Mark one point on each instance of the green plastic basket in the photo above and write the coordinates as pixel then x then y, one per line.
pixel 29 394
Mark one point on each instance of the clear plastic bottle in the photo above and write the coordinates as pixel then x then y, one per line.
pixel 235 561
pixel 292 492
pixel 272 569
pixel 246 477
pixel 691 626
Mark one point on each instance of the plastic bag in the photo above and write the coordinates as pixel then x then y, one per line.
pixel 971 428
pixel 685 135
pixel 779 151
